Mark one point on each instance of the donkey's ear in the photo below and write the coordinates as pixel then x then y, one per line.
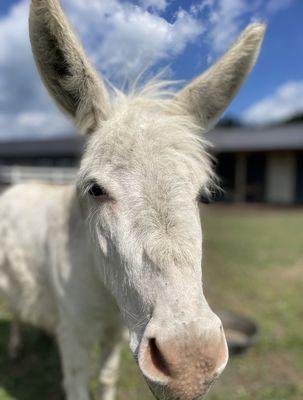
pixel 64 67
pixel 208 95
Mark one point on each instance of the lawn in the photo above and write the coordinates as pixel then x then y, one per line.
pixel 253 264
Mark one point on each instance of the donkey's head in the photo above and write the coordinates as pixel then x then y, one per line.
pixel 140 180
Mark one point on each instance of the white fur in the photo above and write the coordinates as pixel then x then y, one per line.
pixel 75 266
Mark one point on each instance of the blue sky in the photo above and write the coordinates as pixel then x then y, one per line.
pixel 124 36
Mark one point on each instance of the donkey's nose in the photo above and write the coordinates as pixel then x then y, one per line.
pixel 185 364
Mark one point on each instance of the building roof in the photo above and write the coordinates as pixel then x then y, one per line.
pixel 59 147
pixel 284 137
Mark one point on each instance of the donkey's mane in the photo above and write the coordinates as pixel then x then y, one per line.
pixel 182 133
pixel 154 94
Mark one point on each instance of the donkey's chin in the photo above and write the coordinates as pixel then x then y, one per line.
pixel 165 392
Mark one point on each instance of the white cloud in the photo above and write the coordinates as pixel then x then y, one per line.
pixel 122 39
pixel 159 5
pixel 226 20
pixel 284 103
pixel 25 108
pixel 274 6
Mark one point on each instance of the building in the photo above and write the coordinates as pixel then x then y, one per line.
pixel 260 165
pixel 255 165
pixel 57 152
pixel 52 160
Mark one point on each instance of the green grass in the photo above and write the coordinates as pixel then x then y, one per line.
pixel 253 264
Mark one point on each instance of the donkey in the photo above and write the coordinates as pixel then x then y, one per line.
pixel 122 247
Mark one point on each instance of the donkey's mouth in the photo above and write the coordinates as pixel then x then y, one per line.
pixel 153 389
pixel 161 392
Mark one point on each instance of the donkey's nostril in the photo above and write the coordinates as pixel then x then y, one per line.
pixel 153 361
pixel 157 358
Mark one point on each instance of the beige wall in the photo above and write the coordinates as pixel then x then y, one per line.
pixel 281 177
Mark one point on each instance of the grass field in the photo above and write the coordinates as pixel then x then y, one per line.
pixel 254 265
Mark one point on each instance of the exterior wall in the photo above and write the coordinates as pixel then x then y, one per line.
pixel 281 177
pixel 299 191
pixel 67 161
pixel 225 169
pixel 256 177
pixel 240 178
pixel 243 176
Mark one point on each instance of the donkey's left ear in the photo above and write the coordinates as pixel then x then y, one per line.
pixel 207 97
pixel 64 67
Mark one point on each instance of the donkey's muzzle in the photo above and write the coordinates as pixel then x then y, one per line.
pixel 183 365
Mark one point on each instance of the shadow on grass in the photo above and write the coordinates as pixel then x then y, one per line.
pixel 36 374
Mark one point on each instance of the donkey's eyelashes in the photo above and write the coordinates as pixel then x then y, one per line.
pixel 98 192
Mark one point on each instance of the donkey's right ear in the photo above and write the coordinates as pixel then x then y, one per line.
pixel 207 96
pixel 64 67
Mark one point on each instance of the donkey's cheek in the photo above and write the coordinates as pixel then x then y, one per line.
pixel 114 208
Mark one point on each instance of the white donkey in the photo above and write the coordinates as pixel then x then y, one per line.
pixel 124 245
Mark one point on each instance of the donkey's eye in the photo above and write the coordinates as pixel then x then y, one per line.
pixel 97 191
